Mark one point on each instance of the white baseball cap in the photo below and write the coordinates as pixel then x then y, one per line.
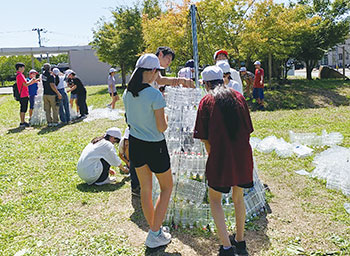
pixel 224 66
pixel 257 63
pixel 126 133
pixel 114 132
pixel 56 71
pixel 33 71
pixel 69 71
pixel 243 69
pixel 148 61
pixel 112 70
pixel 212 73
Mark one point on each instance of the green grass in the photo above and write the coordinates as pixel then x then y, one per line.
pixel 47 210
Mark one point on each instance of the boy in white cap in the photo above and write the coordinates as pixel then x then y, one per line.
pixel 248 77
pixel 112 88
pixel 98 156
pixel 63 111
pixel 228 81
pixel 144 109
pixel 33 91
pixel 224 125
pixel 258 87
pixel 222 55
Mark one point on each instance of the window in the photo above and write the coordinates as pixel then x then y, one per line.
pixel 340 56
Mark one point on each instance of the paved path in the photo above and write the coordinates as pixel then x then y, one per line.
pixel 5 90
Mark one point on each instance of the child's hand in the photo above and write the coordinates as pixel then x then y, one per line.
pixel 112 172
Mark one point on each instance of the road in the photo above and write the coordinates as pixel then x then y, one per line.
pixel 302 72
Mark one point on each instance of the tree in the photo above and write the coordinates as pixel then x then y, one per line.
pixel 60 58
pixel 151 8
pixel 120 42
pixel 331 28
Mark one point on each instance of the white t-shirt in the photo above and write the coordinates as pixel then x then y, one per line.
pixel 111 83
pixel 89 165
pixel 234 85
pixel 185 72
pixel 61 82
pixel 236 77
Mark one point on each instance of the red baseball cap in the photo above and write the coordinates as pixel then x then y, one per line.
pixel 219 52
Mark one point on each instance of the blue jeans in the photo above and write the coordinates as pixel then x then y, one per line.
pixel 64 106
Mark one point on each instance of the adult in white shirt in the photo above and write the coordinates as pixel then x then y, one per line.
pixel 228 81
pixel 64 102
pixel 223 55
pixel 97 158
pixel 187 71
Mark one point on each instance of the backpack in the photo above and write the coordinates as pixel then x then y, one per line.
pixel 16 93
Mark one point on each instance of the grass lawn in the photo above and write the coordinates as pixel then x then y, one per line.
pixel 45 209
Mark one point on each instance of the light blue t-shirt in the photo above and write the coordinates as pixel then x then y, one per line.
pixel 140 113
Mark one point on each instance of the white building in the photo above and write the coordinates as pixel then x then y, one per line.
pixel 82 59
pixel 334 57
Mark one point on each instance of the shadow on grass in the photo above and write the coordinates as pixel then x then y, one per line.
pixel 204 242
pixel 104 91
pixel 48 129
pixel 15 130
pixel 301 94
pixel 160 251
pixel 84 187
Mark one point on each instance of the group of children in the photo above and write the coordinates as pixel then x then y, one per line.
pixel 223 124
pixel 55 96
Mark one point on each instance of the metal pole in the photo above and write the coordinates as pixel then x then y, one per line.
pixel 344 62
pixel 194 42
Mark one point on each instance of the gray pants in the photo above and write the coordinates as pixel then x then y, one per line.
pixel 50 104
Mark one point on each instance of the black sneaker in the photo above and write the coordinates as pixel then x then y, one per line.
pixel 135 191
pixel 241 247
pixel 26 124
pixel 228 252
pixel 22 125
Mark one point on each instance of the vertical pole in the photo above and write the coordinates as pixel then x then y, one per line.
pixel 344 62
pixel 32 61
pixel 270 68
pixel 194 42
pixel 47 57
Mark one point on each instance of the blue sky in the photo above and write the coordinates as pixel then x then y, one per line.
pixel 67 22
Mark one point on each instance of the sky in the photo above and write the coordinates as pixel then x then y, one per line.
pixel 66 22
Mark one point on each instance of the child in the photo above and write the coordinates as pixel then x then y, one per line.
pixel 258 87
pixel 33 90
pixel 124 155
pixel 111 88
pixel 248 77
pixel 144 109
pixel 77 86
pixel 224 125
pixel 98 156
pixel 228 81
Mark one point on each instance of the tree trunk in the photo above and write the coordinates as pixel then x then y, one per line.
pixel 123 76
pixel 309 67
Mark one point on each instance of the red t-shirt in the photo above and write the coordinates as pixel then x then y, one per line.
pixel 230 162
pixel 22 89
pixel 259 73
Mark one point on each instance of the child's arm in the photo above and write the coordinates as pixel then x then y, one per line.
pixel 123 158
pixel 207 145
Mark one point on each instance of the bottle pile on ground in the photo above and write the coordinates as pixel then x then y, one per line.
pixel 189 206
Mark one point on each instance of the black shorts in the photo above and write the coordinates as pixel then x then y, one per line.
pixel 24 104
pixel 226 190
pixel 154 154
pixel 115 94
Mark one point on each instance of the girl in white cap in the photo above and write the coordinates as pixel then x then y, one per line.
pixel 112 88
pixel 144 108
pixel 224 125
pixel 98 156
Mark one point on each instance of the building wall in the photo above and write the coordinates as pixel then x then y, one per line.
pixel 89 69
pixel 334 57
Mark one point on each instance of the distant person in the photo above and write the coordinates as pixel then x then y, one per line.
pixel 258 87
pixel 77 86
pixel 187 71
pixel 166 55
pixel 22 86
pixel 223 55
pixel 51 96
pixel 144 109
pixel 73 95
pixel 248 77
pixel 33 91
pixel 124 155
pixel 228 81
pixel 64 103
pixel 224 125
pixel 94 165
pixel 112 89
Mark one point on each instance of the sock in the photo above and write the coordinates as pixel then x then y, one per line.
pixel 227 247
pixel 155 233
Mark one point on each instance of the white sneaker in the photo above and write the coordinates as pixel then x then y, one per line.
pixel 162 239
pixel 106 181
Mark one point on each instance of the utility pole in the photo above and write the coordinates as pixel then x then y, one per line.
pixel 193 11
pixel 38 30
pixel 344 62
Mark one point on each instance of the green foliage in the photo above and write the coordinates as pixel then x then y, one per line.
pixel 60 58
pixel 120 42
pixel 151 9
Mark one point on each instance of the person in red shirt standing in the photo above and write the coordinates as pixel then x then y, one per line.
pixel 258 87
pixel 22 86
pixel 224 125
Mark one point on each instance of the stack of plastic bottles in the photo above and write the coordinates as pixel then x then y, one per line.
pixel 189 206
pixel 38 117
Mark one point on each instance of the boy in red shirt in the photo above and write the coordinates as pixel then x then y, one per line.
pixel 22 86
pixel 258 87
